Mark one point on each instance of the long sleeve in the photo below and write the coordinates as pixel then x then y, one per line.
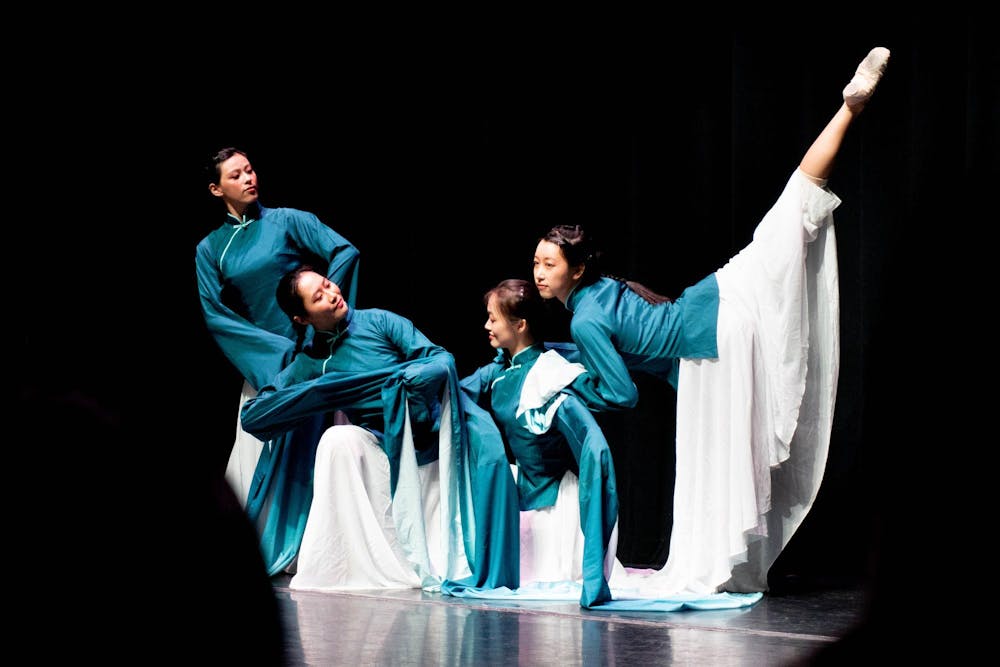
pixel 339 254
pixel 385 349
pixel 410 341
pixel 427 371
pixel 258 354
pixel 238 268
pixel 476 385
pixel 607 384
pixel 276 409
pixel 598 494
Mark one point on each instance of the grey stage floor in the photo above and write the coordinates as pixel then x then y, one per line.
pixel 413 627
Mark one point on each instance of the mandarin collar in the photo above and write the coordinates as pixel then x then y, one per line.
pixel 254 212
pixel 573 298
pixel 529 353
pixel 330 337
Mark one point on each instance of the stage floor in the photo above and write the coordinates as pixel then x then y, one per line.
pixel 412 627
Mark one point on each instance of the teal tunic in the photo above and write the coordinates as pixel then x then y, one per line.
pixel 368 339
pixel 576 443
pixel 238 268
pixel 374 366
pixel 618 332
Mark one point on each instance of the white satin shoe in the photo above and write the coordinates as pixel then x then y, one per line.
pixel 867 76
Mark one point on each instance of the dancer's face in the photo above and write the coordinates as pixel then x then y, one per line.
pixel 554 277
pixel 324 304
pixel 504 334
pixel 237 183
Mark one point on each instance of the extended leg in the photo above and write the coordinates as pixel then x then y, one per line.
pixel 818 160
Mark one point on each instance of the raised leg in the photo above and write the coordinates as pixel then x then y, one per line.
pixel 818 160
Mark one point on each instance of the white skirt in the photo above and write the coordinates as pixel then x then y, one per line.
pixel 245 453
pixel 350 540
pixel 753 425
pixel 552 539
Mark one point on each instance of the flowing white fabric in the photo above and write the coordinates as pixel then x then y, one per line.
pixel 426 512
pixel 549 375
pixel 350 540
pixel 551 537
pixel 753 425
pixel 245 453
pixel 552 543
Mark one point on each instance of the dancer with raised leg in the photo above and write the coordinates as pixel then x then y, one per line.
pixel 753 352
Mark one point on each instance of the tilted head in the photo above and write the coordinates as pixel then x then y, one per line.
pixel 309 298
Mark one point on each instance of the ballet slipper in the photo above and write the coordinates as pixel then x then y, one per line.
pixel 867 76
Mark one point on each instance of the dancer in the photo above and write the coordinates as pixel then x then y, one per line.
pixel 753 351
pixel 565 474
pixel 414 491
pixel 237 266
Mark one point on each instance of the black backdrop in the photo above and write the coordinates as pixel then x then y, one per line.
pixel 443 161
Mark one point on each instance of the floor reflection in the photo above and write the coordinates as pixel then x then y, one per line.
pixel 418 628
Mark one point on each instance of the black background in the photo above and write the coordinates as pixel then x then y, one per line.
pixel 443 154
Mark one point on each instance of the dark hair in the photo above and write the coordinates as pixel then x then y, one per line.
pixel 213 166
pixel 287 292
pixel 579 249
pixel 518 299
pixel 291 302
